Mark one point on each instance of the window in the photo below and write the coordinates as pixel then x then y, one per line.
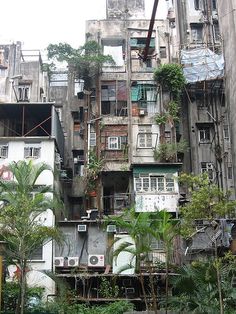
pixel 208 167
pixel 24 93
pixel 145 137
pixel 92 139
pixel 32 152
pixel 163 52
pixel 154 183
pixel 37 254
pixel 196 32
pixel 197 4
pixel 168 136
pixel 226 132
pixel 230 171
pixel 117 142
pixel 213 3
pixel 3 151
pixel 204 135
pixel 216 31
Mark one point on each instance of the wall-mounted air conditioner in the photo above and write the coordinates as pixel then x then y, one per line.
pixel 82 228
pixel 129 291
pixel 96 260
pixel 111 228
pixel 142 112
pixel 59 261
pixel 73 261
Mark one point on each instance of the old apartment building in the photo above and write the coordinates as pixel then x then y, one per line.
pixel 104 141
pixel 29 129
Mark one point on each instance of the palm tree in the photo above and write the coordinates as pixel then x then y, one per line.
pixel 195 290
pixel 22 203
pixel 142 228
pixel 138 244
pixel 164 228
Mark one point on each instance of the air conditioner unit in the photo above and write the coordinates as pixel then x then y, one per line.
pixel 111 228
pixel 82 228
pixel 59 261
pixel 129 291
pixel 96 261
pixel 142 112
pixel 73 261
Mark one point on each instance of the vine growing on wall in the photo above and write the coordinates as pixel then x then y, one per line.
pixel 171 115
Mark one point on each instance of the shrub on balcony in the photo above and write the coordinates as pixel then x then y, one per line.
pixel 168 151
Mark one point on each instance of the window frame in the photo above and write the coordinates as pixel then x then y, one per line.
pixel 154 183
pixel 3 148
pixel 208 167
pixel 205 131
pixel 145 136
pixel 24 92
pixel 34 152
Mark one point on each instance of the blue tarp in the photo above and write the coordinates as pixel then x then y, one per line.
pixel 201 64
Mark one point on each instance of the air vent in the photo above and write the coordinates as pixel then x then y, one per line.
pixel 111 228
pixel 82 228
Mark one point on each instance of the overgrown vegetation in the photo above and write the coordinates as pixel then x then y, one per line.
pixel 86 62
pixel 207 201
pixel 142 229
pixel 168 151
pixel 195 289
pixel 171 115
pixel 170 76
pixel 93 168
pixel 108 289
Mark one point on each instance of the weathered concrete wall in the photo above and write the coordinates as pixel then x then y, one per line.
pixel 227 19
pixel 121 9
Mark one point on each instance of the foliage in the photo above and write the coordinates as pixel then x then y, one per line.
pixel 161 118
pixel 94 165
pixel 143 227
pixel 107 289
pixel 19 216
pixel 86 61
pixel 11 291
pixel 58 307
pixel 171 115
pixel 207 201
pixel 196 290
pixel 170 76
pixel 168 151
pixel 93 169
pixel 49 68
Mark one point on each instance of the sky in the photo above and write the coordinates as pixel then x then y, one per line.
pixel 37 23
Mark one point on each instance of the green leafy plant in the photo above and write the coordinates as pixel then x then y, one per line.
pixel 171 115
pixel 196 287
pixel 170 76
pixel 107 289
pixel 161 118
pixel 11 291
pixel 19 225
pixel 86 62
pixel 207 201
pixel 93 169
pixel 168 151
